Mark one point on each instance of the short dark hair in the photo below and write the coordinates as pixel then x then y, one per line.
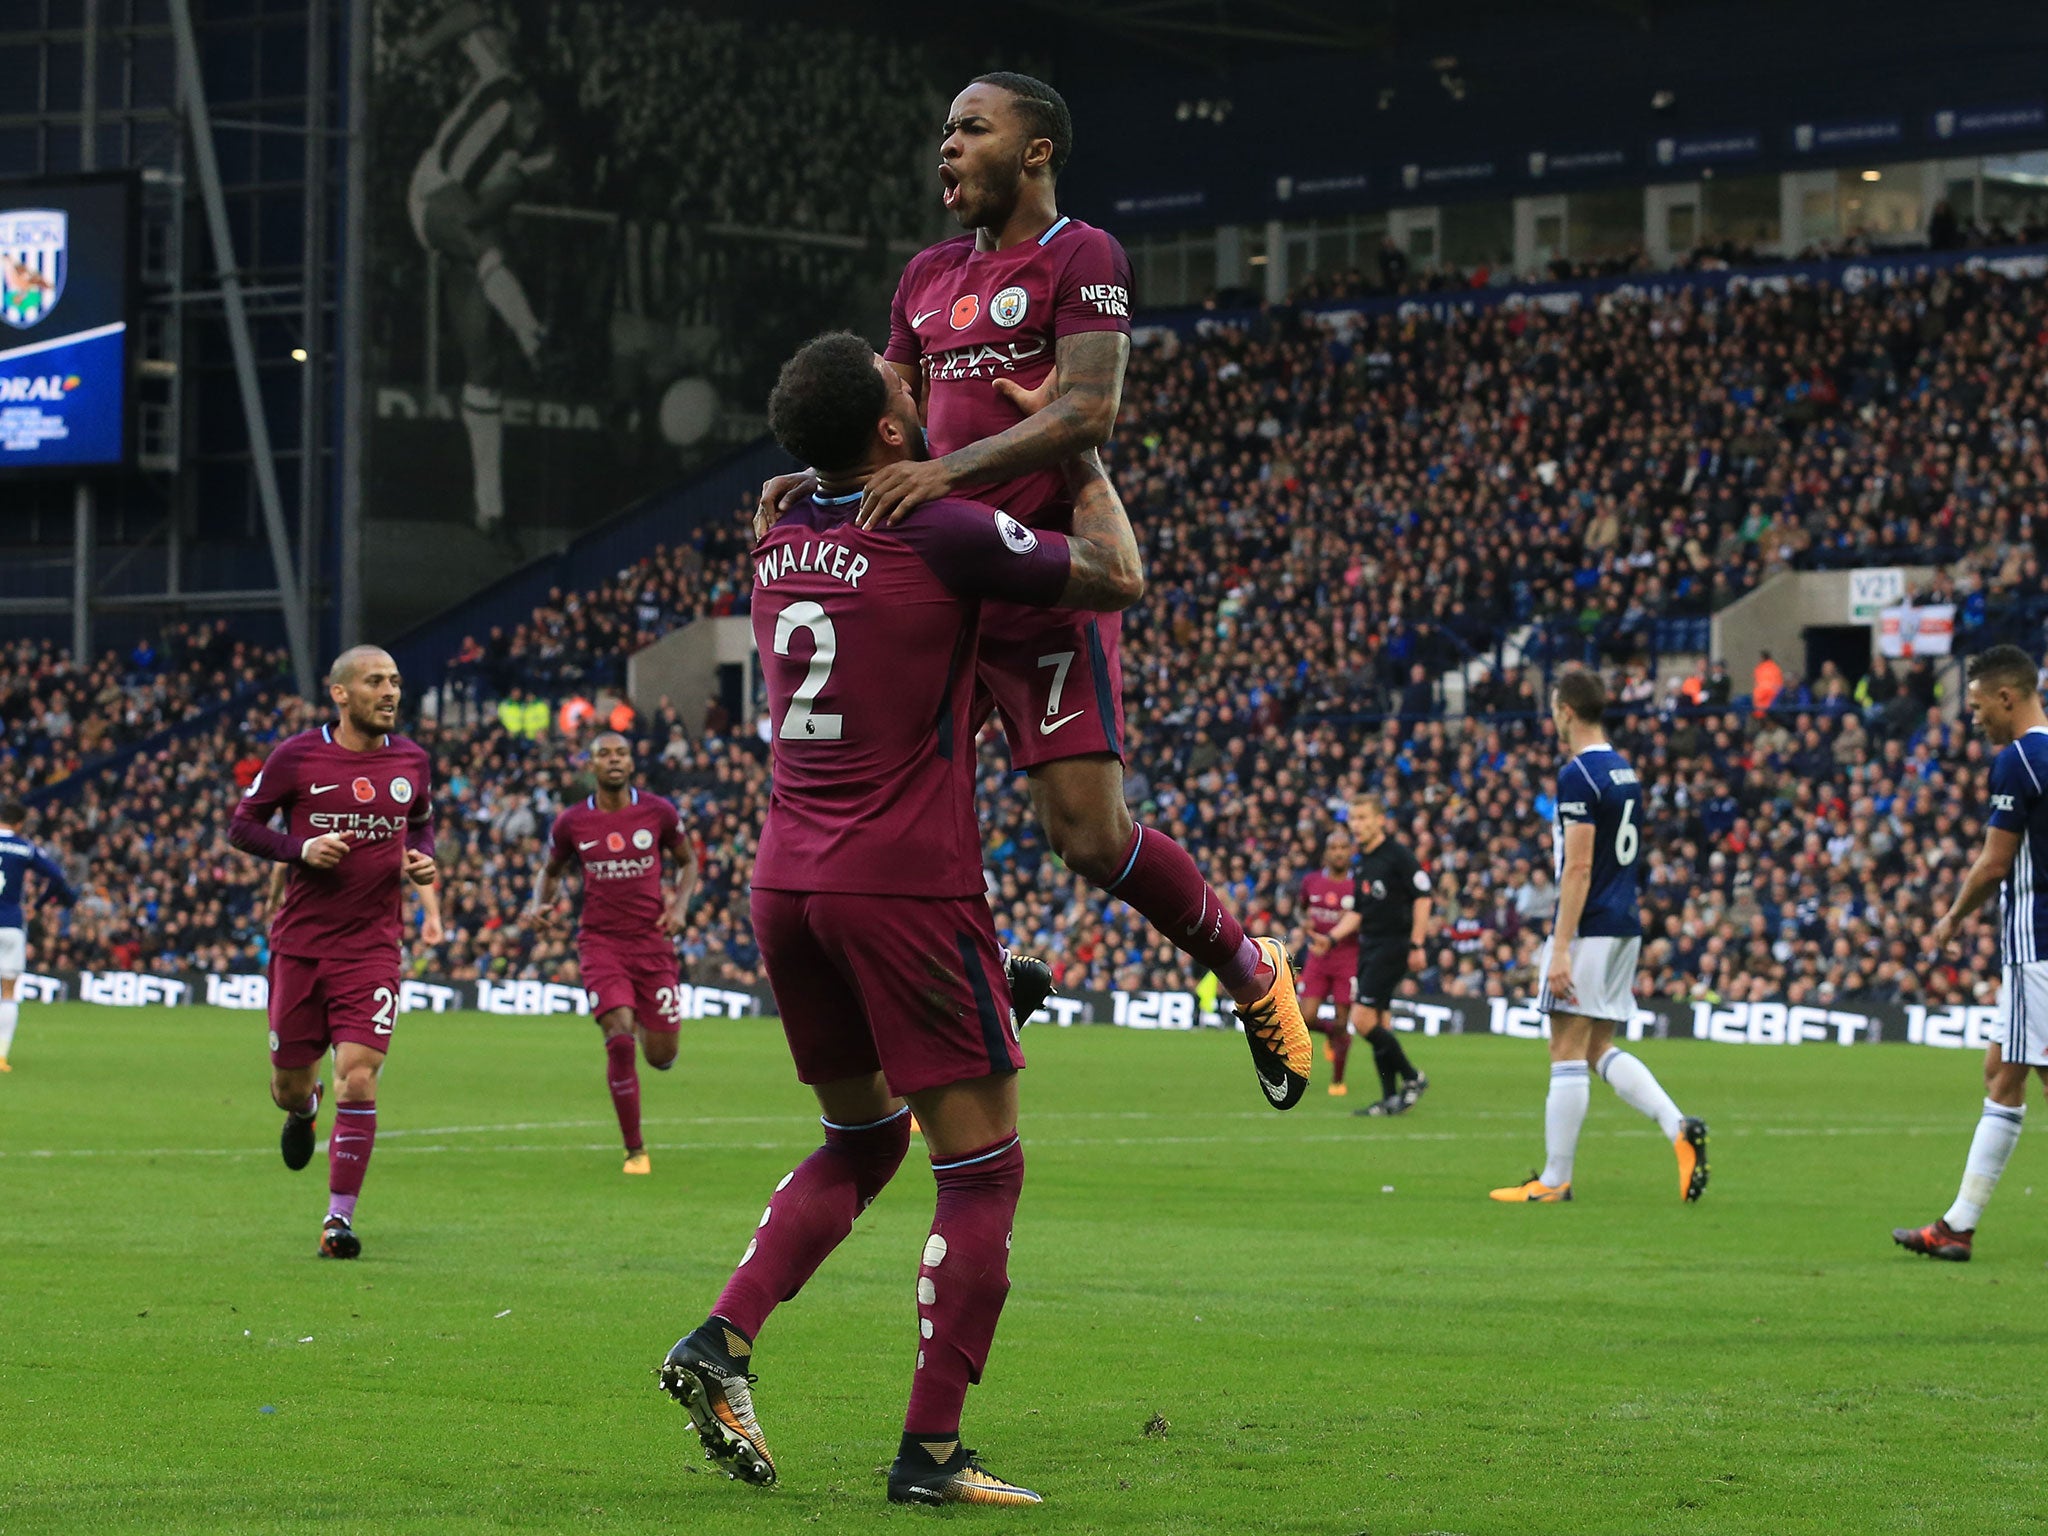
pixel 1044 111
pixel 1582 692
pixel 13 812
pixel 2004 666
pixel 827 401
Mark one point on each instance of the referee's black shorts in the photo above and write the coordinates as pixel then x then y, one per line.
pixel 1382 967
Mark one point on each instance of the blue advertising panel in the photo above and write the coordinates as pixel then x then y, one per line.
pixel 67 285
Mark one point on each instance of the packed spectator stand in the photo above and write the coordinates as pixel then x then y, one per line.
pixel 1368 546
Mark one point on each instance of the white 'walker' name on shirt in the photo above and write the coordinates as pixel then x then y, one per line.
pixel 825 557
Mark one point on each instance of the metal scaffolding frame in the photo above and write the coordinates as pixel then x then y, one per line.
pixel 171 137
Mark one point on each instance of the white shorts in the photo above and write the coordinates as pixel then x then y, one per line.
pixel 13 952
pixel 1603 979
pixel 2023 1014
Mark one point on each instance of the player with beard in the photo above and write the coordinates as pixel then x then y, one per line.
pixel 2004 695
pixel 868 899
pixel 359 810
pixel 625 944
pixel 1029 312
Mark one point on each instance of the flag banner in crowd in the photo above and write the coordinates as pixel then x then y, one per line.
pixel 1926 630
pixel 1769 1022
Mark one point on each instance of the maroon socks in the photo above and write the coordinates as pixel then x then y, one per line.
pixel 623 1078
pixel 348 1156
pixel 810 1214
pixel 963 1280
pixel 1161 882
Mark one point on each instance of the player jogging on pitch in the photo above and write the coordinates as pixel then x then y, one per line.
pixel 868 899
pixel 1328 974
pixel 2004 695
pixel 1389 918
pixel 1030 311
pixel 625 944
pixel 18 859
pixel 359 824
pixel 1589 961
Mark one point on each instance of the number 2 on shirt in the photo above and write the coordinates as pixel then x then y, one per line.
pixel 800 723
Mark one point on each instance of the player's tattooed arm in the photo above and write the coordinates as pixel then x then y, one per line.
pixel 1105 572
pixel 1089 372
pixel 1979 885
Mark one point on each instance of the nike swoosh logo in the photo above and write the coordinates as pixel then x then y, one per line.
pixel 920 319
pixel 1276 1091
pixel 321 789
pixel 591 844
pixel 1047 727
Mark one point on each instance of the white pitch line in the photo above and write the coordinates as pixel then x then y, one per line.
pixel 1044 1142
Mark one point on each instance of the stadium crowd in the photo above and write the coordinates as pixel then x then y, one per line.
pixel 58 716
pixel 1334 521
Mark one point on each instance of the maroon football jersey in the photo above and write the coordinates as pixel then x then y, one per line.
pixel 867 642
pixel 620 855
pixel 381 800
pixel 1327 898
pixel 968 317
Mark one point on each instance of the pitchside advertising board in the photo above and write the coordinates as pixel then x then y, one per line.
pixel 67 285
pixel 1956 1027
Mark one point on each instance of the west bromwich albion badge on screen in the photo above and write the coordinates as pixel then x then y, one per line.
pixel 32 263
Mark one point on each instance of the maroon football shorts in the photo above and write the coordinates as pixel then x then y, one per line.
pixel 1056 675
pixel 911 986
pixel 638 974
pixel 1327 975
pixel 317 1003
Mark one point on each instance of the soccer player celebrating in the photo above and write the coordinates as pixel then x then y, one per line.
pixel 868 899
pixel 1589 961
pixel 625 945
pixel 358 805
pixel 1326 898
pixel 1030 312
pixel 1389 917
pixel 2004 696
pixel 18 859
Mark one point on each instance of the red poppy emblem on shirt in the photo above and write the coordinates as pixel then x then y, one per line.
pixel 614 843
pixel 965 311
pixel 365 790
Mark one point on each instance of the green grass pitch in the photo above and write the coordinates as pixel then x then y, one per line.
pixel 1342 1334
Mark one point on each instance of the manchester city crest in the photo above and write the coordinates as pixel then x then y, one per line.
pixel 32 264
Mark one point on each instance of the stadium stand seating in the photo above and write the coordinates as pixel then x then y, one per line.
pixel 1335 520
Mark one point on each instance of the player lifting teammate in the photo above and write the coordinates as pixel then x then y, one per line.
pixel 358 805
pixel 1030 311
pixel 868 900
pixel 2004 696
pixel 625 944
pixel 1389 918
pixel 19 858
pixel 1589 961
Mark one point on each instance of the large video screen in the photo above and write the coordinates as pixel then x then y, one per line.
pixel 66 299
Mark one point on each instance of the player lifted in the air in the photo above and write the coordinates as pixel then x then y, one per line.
pixel 868 899
pixel 359 826
pixel 1014 338
pixel 2004 696
pixel 19 858
pixel 625 943
pixel 1589 961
